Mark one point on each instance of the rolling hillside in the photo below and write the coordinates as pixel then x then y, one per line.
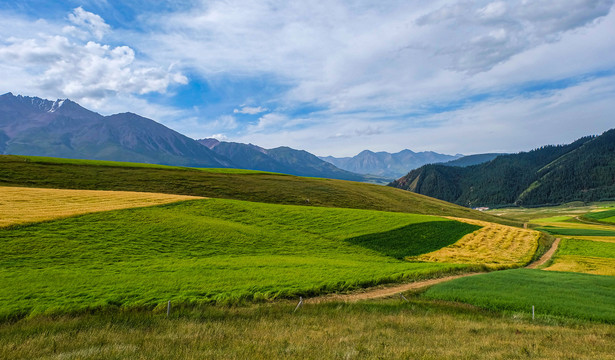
pixel 211 251
pixel 223 183
pixel 581 171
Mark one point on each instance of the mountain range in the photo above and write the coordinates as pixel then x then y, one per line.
pixel 63 128
pixel 281 159
pixel 391 165
pixel 581 171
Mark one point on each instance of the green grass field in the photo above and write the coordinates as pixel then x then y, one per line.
pixel 384 329
pixel 224 183
pixel 571 295
pixel 209 251
pixel 587 248
pixel 575 232
pixel 607 216
pixel 96 286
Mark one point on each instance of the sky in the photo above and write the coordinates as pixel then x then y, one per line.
pixel 331 77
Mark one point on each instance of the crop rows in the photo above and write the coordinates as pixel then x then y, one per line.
pixel 496 246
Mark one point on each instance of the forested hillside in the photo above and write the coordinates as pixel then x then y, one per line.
pixel 583 170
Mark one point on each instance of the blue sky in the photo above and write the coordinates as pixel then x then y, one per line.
pixel 330 77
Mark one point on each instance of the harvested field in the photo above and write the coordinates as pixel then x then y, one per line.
pixel 26 205
pixel 584 264
pixel 496 246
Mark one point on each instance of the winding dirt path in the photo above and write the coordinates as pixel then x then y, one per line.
pixel 375 293
pixel 380 292
pixel 546 256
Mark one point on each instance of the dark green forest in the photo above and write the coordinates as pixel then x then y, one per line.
pixel 581 171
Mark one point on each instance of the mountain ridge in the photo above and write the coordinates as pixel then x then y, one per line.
pixel 392 165
pixel 63 128
pixel 580 171
pixel 282 159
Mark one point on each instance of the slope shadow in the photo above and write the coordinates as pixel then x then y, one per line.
pixel 414 239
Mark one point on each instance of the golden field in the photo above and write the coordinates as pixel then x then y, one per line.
pixel 25 205
pixel 494 245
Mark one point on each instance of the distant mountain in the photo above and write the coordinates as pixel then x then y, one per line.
pixel 282 159
pixel 470 160
pixel 386 164
pixel 581 171
pixel 62 128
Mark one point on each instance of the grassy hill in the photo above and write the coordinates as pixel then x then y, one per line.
pixel 223 183
pixel 211 251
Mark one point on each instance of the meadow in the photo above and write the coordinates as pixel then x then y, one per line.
pixel 210 251
pixel 96 284
pixel 384 329
pixel 586 247
pixel 553 293
pixel 591 255
pixel 607 216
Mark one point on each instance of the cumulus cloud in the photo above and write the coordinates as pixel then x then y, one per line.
pixel 396 73
pixel 67 66
pixel 87 23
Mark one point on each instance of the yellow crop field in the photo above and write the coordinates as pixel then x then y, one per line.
pixel 496 246
pixel 610 239
pixel 584 264
pixel 25 205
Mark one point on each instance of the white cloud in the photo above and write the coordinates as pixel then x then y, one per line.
pixel 269 123
pixel 219 137
pixel 250 110
pixel 386 57
pixel 87 23
pixel 224 122
pixel 376 70
pixel 85 71
pixel 474 37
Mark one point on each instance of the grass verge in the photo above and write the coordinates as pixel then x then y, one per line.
pixel 389 329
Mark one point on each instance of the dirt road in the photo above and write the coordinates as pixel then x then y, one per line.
pixel 381 292
pixel 375 293
pixel 544 258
